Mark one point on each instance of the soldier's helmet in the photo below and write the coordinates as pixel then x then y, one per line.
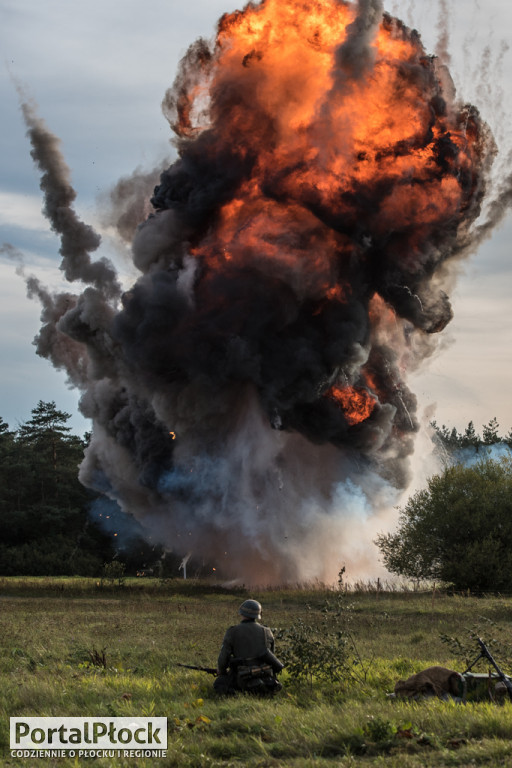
pixel 251 609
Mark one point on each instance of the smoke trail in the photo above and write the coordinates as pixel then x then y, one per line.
pixel 249 390
pixel 77 239
pixel 357 53
pixel 443 27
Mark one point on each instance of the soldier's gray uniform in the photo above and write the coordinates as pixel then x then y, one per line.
pixel 246 640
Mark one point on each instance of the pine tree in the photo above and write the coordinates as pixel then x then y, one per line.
pixel 46 437
pixel 470 437
pixel 490 432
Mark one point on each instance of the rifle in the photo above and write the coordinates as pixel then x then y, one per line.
pixel 267 657
pixel 486 654
pixel 209 670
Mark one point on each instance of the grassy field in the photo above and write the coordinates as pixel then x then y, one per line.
pixel 72 647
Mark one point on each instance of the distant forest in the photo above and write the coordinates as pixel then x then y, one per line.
pixel 452 441
pixel 48 526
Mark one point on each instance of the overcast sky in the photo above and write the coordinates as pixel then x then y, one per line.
pixel 98 71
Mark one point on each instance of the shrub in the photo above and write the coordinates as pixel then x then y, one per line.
pixel 457 530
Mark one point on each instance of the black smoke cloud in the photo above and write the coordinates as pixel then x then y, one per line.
pixel 208 388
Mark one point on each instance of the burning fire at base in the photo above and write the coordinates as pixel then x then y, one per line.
pixel 251 385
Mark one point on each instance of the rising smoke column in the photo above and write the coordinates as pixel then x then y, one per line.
pixel 252 383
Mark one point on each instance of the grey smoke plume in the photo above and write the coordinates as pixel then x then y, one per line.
pixel 443 29
pixel 250 390
pixel 357 52
pixel 78 240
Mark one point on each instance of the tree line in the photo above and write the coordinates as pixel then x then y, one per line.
pixel 46 524
pixel 458 529
pixel 452 440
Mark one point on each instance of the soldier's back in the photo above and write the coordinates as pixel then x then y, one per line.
pixel 249 640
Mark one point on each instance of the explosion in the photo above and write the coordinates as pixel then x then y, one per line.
pixel 252 383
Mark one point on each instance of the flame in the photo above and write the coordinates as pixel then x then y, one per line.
pixel 318 145
pixel 357 404
pixel 352 178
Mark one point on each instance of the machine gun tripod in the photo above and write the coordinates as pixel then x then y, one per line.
pixel 486 654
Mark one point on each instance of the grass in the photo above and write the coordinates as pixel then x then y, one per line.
pixel 72 647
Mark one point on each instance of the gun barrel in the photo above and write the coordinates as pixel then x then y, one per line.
pixel 503 677
pixel 208 670
pixel 486 652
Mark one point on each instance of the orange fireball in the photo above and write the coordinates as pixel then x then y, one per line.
pixel 332 175
pixel 357 404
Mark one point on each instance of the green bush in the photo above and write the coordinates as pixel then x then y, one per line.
pixel 457 530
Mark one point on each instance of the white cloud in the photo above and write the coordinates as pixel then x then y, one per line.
pixel 24 211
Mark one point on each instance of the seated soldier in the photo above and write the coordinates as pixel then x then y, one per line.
pixel 246 660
